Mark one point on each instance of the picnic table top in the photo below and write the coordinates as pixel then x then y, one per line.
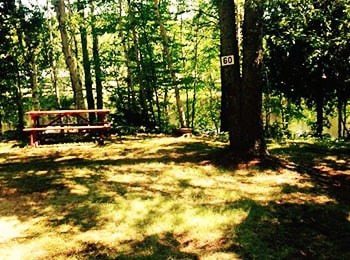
pixel 68 112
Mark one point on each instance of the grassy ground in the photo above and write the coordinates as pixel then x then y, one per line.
pixel 173 198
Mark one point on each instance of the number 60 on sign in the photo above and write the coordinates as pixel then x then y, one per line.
pixel 227 60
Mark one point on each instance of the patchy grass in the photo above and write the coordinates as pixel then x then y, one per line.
pixel 169 198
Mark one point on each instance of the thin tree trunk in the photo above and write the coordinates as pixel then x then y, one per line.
pixel 140 73
pixel 152 83
pixel 340 114
pixel 187 90
pixel 194 98
pixel 126 46
pixel 86 62
pixel 19 103
pixel 170 64
pixel 319 114
pixel 345 129
pixel 1 116
pixel 53 61
pixel 96 59
pixel 29 55
pixel 69 58
pixel 212 105
pixel 18 91
pixel 34 81
pixel 73 39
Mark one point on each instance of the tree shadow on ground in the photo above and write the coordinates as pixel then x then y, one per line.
pixel 274 230
pixel 37 186
pixel 294 231
pixel 311 228
pixel 36 182
pixel 328 166
pixel 159 247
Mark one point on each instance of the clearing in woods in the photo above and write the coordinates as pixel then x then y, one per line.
pixel 173 198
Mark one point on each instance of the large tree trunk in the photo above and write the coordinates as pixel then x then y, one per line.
pixel 242 100
pixel 252 134
pixel 69 58
pixel 230 75
pixel 170 64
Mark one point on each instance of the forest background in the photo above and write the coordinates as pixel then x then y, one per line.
pixel 156 64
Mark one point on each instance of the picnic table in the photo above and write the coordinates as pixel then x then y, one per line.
pixel 66 121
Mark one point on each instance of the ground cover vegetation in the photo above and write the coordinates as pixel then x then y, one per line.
pixel 173 198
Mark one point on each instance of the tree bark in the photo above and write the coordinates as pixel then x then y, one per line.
pixel 251 139
pixel 340 112
pixel 230 75
pixel 34 81
pixel 67 51
pixel 96 60
pixel 153 87
pixel 241 105
pixel 1 116
pixel 319 113
pixel 126 46
pixel 86 62
pixel 140 72
pixel 52 60
pixel 19 103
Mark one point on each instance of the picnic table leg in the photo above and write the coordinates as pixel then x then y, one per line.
pixel 32 139
pixel 101 139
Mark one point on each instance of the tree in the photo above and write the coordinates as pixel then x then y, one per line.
pixel 96 59
pixel 52 55
pixel 8 73
pixel 167 52
pixel 20 30
pixel 230 75
pixel 253 138
pixel 309 60
pixel 69 57
pixel 86 60
pixel 242 94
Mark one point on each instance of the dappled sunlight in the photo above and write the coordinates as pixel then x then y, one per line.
pixel 196 228
pixel 10 228
pixel 77 188
pixel 142 198
pixel 304 198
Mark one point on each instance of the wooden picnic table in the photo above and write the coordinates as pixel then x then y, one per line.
pixel 66 121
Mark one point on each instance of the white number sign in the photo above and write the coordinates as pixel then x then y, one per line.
pixel 227 60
